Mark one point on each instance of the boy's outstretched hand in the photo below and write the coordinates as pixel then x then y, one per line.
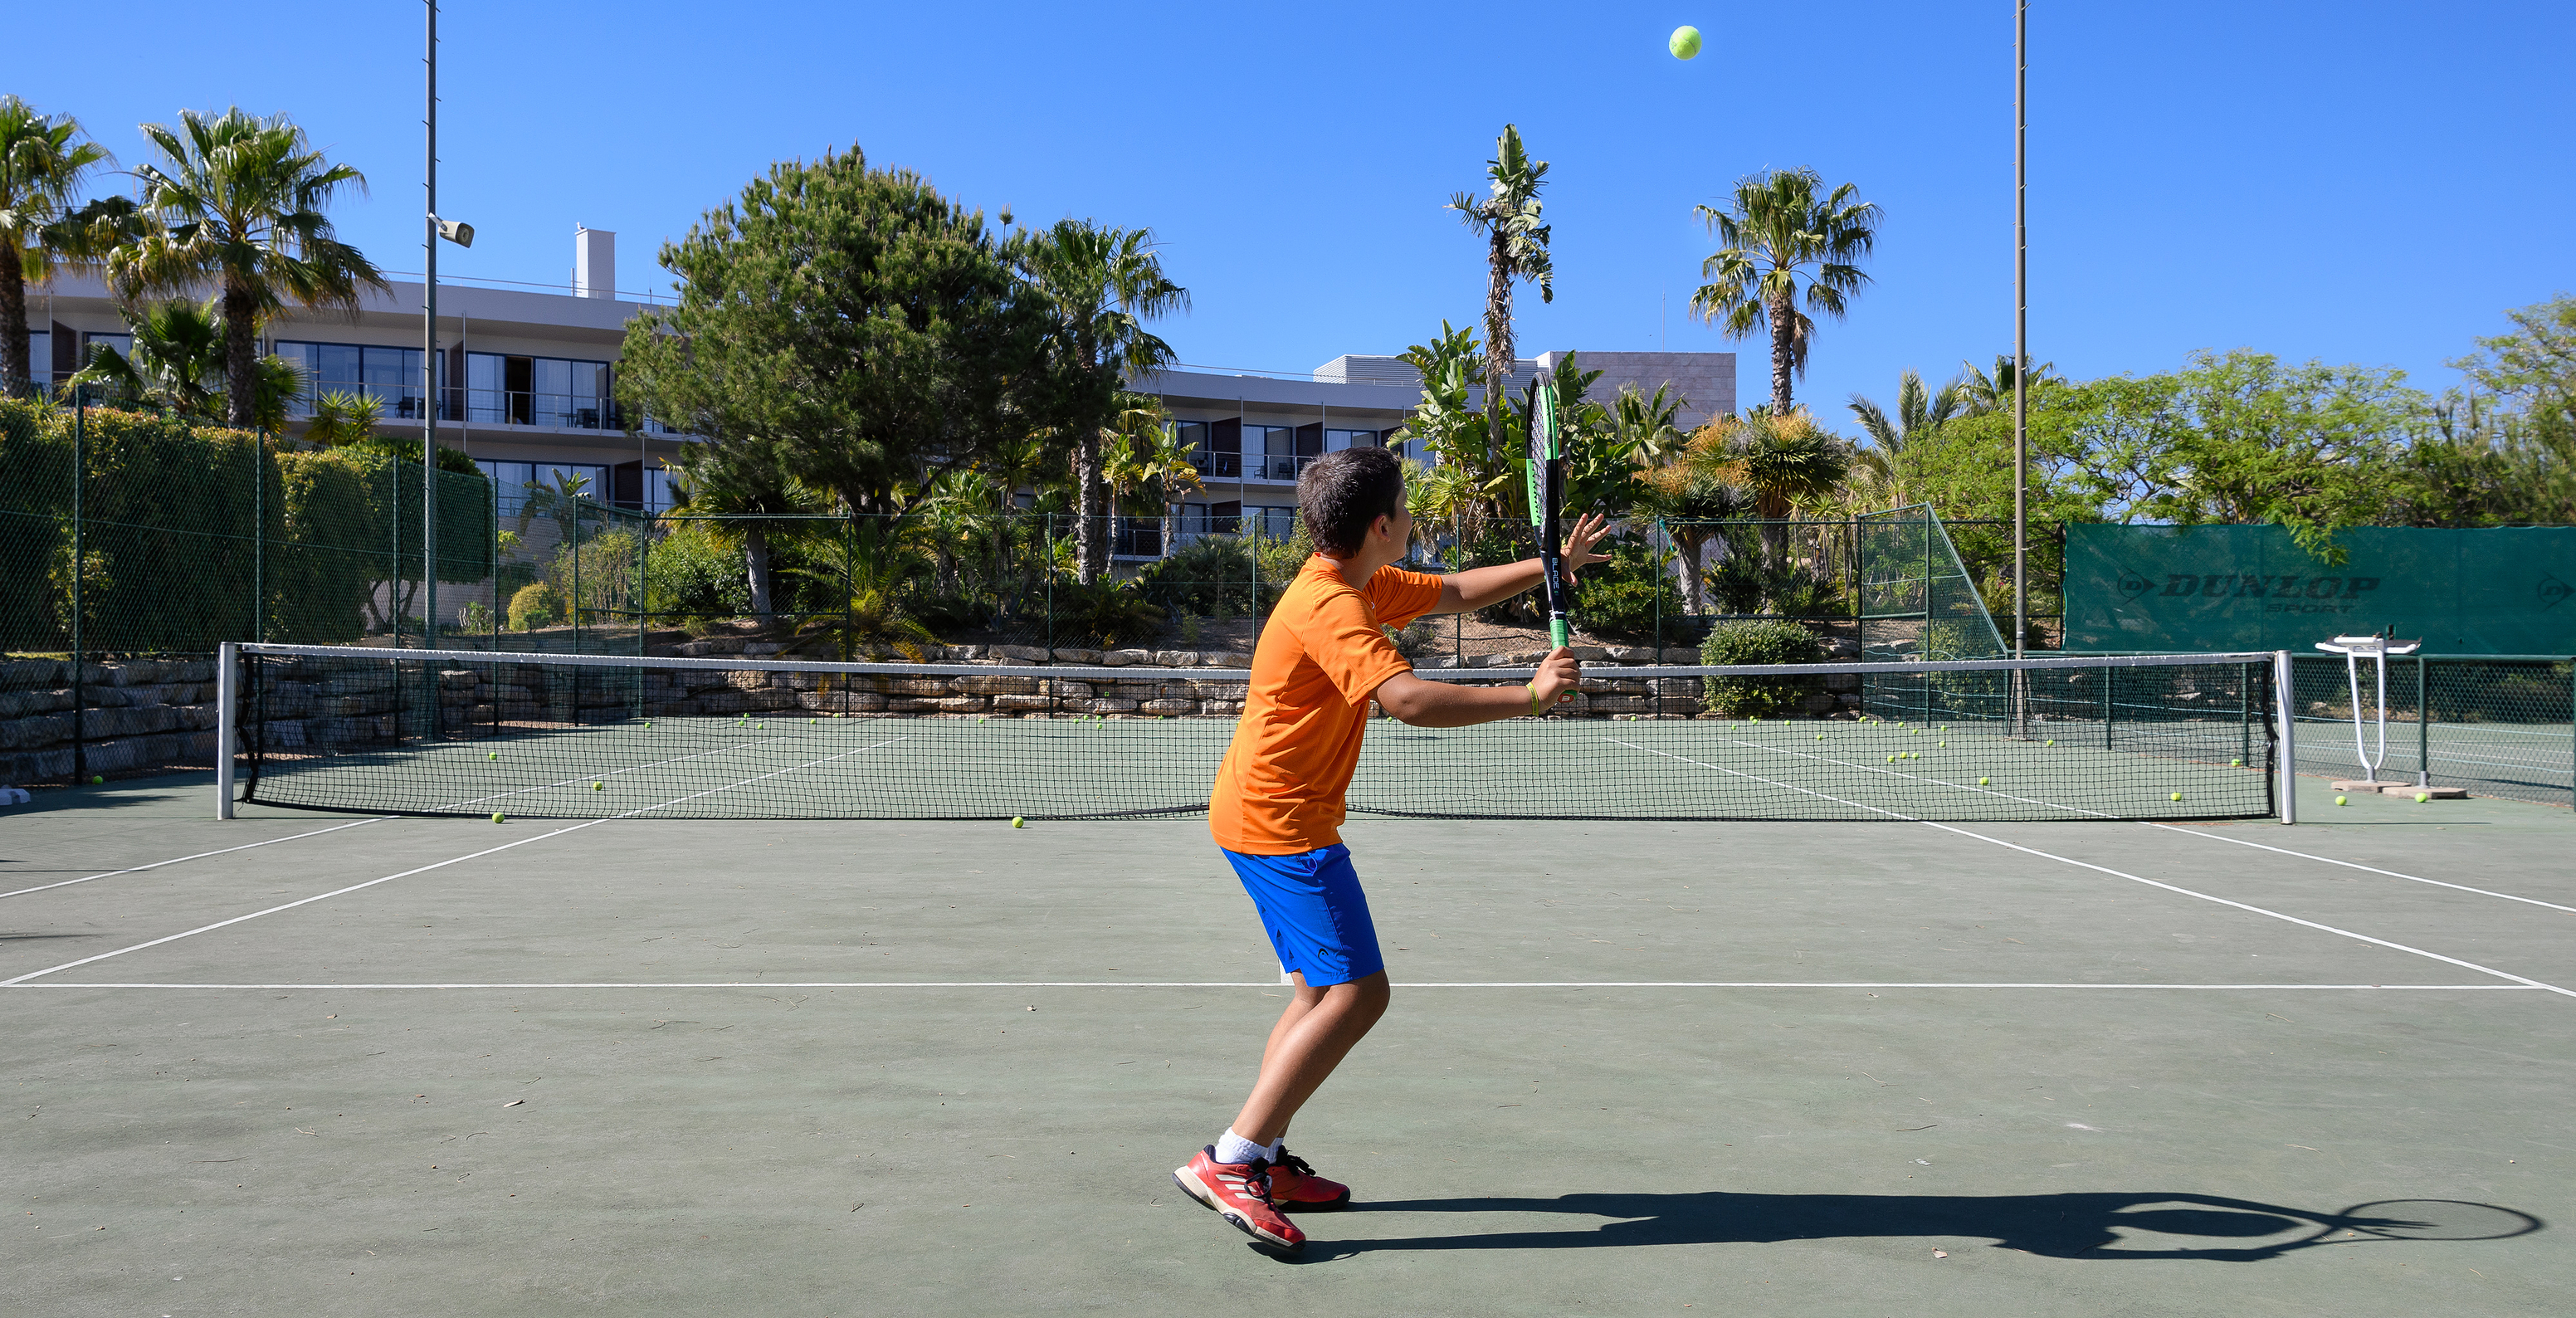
pixel 1587 532
pixel 1557 676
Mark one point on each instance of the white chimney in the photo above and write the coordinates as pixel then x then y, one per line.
pixel 594 262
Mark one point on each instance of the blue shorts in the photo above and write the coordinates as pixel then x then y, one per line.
pixel 1317 917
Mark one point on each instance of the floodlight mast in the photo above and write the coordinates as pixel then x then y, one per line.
pixel 429 381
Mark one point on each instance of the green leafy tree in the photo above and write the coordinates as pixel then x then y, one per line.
pixel 752 484
pixel 1449 429
pixel 239 202
pixel 2512 427
pixel 1515 249
pixel 1101 285
pixel 341 418
pixel 870 328
pixel 43 161
pixel 1783 232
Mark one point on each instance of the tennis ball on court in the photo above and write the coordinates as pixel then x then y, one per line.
pixel 1945 745
pixel 1017 822
pixel 599 787
pixel 1820 736
pixel 2422 797
pixel 496 816
pixel 2177 796
pixel 1891 759
pixel 2052 741
pixel 1981 782
pixel 2338 800
pixel 491 755
pixel 1684 43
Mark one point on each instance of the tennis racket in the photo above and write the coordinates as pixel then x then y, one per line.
pixel 1546 485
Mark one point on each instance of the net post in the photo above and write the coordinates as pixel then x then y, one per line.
pixel 2423 728
pixel 2285 699
pixel 227 713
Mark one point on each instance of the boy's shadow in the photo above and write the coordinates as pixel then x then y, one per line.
pixel 2093 1225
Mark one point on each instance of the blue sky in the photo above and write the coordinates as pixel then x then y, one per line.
pixel 2360 182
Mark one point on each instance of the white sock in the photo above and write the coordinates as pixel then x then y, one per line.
pixel 1235 1149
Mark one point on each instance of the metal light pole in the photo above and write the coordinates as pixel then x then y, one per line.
pixel 433 228
pixel 2021 330
pixel 429 372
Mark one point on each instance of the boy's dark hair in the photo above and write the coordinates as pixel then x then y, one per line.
pixel 1343 492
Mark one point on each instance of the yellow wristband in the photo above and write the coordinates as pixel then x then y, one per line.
pixel 1533 690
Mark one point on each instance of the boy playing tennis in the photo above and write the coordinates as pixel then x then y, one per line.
pixel 1277 806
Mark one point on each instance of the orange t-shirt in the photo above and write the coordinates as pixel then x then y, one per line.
pixel 1322 655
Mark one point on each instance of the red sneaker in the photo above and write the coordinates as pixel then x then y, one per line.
pixel 1295 1187
pixel 1240 1194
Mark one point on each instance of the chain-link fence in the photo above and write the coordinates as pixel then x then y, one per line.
pixel 2495 725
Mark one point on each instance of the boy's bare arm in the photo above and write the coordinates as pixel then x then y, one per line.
pixel 1479 586
pixel 1426 704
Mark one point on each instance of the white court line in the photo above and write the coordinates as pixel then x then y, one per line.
pixel 2373 869
pixel 2117 874
pixel 1272 984
pixel 288 906
pixel 137 869
pixel 2074 809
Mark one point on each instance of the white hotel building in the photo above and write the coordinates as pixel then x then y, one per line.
pixel 527 380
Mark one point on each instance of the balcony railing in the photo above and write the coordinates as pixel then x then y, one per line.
pixel 504 407
pixel 1250 466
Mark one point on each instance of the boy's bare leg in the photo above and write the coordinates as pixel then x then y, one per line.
pixel 1314 1033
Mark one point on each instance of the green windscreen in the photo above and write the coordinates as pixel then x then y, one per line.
pixel 2192 588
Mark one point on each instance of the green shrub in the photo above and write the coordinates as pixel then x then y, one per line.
pixel 475 616
pixel 1107 613
pixel 1760 641
pixel 692 572
pixel 535 606
pixel 1212 576
pixel 1619 598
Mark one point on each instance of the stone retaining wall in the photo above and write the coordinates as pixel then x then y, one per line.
pixel 137 715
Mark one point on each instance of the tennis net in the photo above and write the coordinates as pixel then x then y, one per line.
pixel 591 736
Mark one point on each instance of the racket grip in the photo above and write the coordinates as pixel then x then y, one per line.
pixel 1556 631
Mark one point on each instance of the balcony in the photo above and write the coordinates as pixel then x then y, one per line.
pixel 495 407
pixel 1213 465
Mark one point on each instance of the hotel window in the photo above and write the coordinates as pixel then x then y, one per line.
pixel 513 479
pixel 391 376
pixel 538 391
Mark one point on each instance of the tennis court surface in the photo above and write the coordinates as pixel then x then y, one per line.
pixel 314 1062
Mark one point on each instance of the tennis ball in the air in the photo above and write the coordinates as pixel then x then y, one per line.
pixel 97 779
pixel 496 816
pixel 2338 800
pixel 1981 782
pixel 2422 797
pixel 1017 822
pixel 2177 796
pixel 1684 43
pixel 599 787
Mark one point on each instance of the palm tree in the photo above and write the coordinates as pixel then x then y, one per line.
pixel 1515 248
pixel 1774 231
pixel 748 479
pixel 1691 502
pixel 237 202
pixel 1644 426
pixel 342 418
pixel 1147 458
pixel 41 163
pixel 1919 412
pixel 176 360
pixel 1104 284
pixel 1980 393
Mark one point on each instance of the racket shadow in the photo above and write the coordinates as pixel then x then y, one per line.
pixel 2097 1225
